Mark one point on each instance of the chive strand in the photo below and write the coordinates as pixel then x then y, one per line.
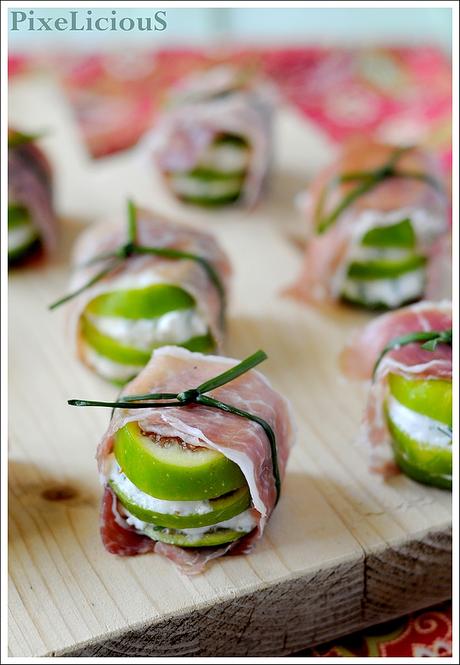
pixel 423 177
pixel 210 401
pixel 234 372
pixel 132 222
pixel 170 253
pixel 131 248
pixel 100 275
pixel 430 340
pixel 370 179
pixel 121 404
pixel 366 186
pixel 137 398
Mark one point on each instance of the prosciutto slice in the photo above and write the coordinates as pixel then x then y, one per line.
pixel 411 361
pixel 328 254
pixel 207 105
pixel 173 369
pixel 30 185
pixel 138 271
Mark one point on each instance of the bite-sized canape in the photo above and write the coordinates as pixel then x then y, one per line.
pixel 32 224
pixel 376 218
pixel 213 143
pixel 144 284
pixel 193 459
pixel 408 419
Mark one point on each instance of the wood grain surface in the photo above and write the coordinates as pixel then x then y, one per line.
pixel 343 549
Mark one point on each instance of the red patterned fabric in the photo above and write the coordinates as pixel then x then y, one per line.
pixel 427 633
pixel 381 91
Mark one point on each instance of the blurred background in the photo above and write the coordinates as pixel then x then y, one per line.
pixel 338 72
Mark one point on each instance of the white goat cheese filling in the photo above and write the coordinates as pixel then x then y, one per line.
pixel 389 291
pixel 148 502
pixel 243 522
pixel 173 327
pixel 422 429
pixel 107 368
pixel 225 158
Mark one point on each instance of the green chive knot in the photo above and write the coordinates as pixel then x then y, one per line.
pixel 188 396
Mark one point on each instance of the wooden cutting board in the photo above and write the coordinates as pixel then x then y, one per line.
pixel 343 549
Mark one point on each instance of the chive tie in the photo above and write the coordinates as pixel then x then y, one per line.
pixel 366 181
pixel 133 248
pixel 197 396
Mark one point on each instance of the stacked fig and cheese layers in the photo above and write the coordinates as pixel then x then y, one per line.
pixel 191 482
pixel 407 423
pixel 374 246
pixel 213 142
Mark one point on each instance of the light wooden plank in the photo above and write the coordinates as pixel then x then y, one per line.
pixel 342 550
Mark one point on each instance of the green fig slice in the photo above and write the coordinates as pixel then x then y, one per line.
pixel 18 215
pixel 429 397
pixel 172 470
pixel 23 237
pixel 398 235
pixel 211 202
pixel 207 174
pixel 147 303
pixel 384 268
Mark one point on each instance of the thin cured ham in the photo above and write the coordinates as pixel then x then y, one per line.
pixel 408 355
pixel 32 222
pixel 235 456
pixel 145 300
pixel 213 143
pixel 376 218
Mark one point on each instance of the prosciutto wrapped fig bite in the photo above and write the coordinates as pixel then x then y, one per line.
pixel 141 285
pixel 407 423
pixel 193 459
pixel 377 219
pixel 213 143
pixel 32 224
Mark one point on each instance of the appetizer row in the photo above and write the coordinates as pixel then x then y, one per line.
pixel 377 217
